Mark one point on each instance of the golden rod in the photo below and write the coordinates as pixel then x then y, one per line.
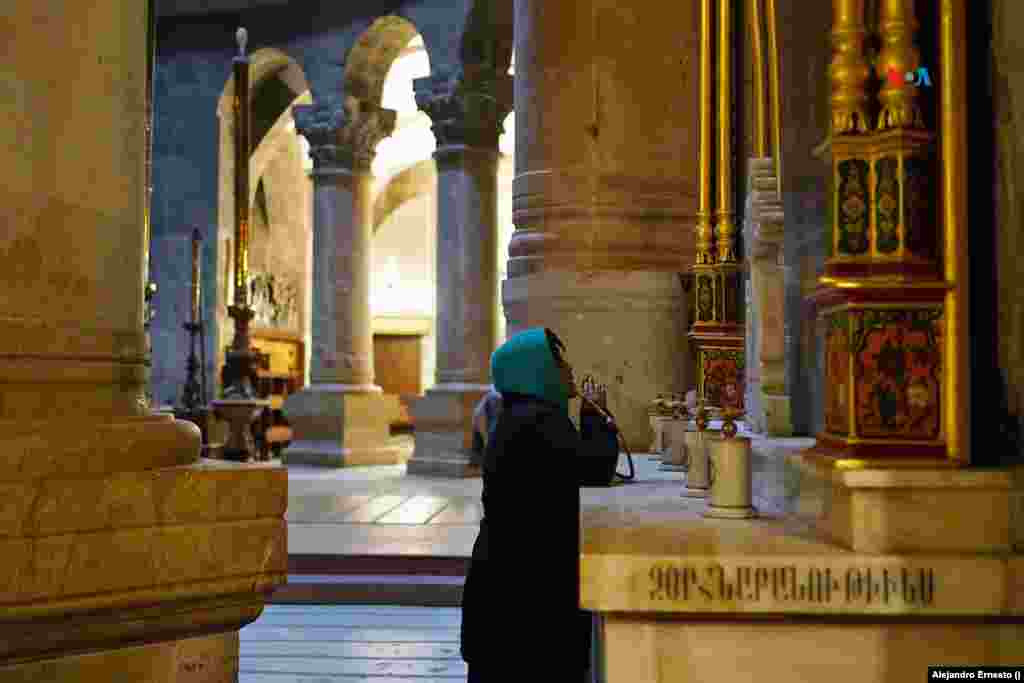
pixel 760 97
pixel 849 70
pixel 775 89
pixel 148 170
pixel 704 212
pixel 725 236
pixel 240 65
pixel 897 24
pixel 196 276
pixel 953 49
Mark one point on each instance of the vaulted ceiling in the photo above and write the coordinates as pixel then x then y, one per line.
pixel 166 8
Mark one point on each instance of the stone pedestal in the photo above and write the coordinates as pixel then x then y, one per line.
pixel 341 426
pixel 918 583
pixel 113 532
pixel 342 418
pixel 444 431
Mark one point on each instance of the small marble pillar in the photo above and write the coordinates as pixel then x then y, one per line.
pixel 342 418
pixel 767 365
pixel 468 112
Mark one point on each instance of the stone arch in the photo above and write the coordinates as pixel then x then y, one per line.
pixel 414 181
pixel 370 59
pixel 265 64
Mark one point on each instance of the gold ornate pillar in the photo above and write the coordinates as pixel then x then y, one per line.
pixel 717 332
pixel 882 295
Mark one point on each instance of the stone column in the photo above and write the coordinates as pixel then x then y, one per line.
pixel 605 196
pixel 342 418
pixel 468 110
pixel 767 366
pixel 113 531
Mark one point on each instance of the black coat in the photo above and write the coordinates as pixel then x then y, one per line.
pixel 520 605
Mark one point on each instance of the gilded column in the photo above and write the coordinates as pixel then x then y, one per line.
pixel 897 66
pixel 850 70
pixel 342 418
pixel 881 303
pixel 468 106
pixel 718 331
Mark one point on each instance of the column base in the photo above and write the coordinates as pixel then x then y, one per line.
pixel 913 509
pixel 777 417
pixel 444 432
pixel 340 425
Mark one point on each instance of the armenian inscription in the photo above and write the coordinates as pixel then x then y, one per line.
pixel 869 586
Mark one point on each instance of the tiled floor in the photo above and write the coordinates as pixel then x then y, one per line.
pixel 347 643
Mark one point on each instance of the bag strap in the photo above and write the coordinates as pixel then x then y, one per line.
pixel 589 384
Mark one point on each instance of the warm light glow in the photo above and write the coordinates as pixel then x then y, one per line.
pixel 413 140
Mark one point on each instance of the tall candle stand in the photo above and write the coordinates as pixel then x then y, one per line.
pixel 240 407
pixel 193 396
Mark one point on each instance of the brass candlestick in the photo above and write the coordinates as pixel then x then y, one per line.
pixel 239 373
pixel 193 397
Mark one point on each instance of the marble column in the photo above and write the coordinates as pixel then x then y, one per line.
pixel 342 418
pixel 605 197
pixel 764 238
pixel 113 531
pixel 468 112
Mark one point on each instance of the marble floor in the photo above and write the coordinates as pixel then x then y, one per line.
pixel 382 511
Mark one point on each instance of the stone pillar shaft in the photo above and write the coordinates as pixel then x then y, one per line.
pixel 342 328
pixel 103 544
pixel 468 106
pixel 342 418
pixel 467 222
pixel 606 191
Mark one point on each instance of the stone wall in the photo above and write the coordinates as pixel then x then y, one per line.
pixel 999 397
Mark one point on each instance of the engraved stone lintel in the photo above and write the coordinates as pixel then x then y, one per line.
pixel 467 106
pixel 345 136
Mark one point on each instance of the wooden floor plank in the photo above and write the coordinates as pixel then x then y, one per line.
pixel 350 635
pixel 301 648
pixel 453 612
pixel 298 678
pixel 359 620
pixel 321 666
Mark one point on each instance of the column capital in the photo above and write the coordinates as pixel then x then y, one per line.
pixel 343 136
pixel 467 105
